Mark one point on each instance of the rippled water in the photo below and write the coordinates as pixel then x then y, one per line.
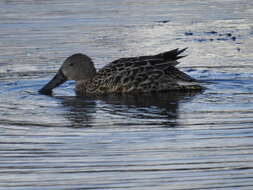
pixel 165 141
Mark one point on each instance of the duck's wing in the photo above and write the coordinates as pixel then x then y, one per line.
pixel 145 73
pixel 168 57
pixel 163 62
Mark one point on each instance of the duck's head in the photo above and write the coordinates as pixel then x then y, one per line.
pixel 76 67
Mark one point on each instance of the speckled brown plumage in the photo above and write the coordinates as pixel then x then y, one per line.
pixel 155 73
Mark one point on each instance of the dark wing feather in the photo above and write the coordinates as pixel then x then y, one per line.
pixel 169 57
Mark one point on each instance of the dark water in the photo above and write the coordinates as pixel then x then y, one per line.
pixel 166 141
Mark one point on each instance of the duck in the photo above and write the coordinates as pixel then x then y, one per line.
pixel 129 75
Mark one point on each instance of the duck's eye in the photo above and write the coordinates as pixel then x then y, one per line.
pixel 71 64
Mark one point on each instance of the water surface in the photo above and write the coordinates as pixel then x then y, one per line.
pixel 166 141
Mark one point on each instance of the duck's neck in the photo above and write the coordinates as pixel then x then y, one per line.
pixel 92 72
pixel 81 86
pixel 83 83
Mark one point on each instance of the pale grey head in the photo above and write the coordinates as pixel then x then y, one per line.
pixel 77 67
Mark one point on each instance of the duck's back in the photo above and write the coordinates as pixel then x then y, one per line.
pixel 142 74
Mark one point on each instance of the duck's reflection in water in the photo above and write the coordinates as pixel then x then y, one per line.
pixel 81 111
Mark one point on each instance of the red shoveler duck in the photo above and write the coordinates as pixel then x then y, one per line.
pixel 144 74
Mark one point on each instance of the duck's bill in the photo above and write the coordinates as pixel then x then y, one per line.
pixel 58 79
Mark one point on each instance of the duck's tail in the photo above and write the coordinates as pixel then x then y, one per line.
pixel 172 55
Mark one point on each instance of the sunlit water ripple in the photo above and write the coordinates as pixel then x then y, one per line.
pixel 163 141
